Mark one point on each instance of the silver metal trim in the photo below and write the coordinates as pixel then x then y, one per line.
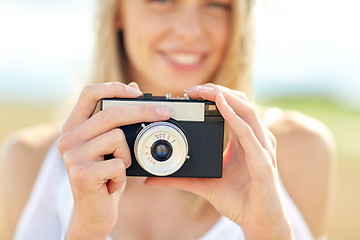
pixel 182 111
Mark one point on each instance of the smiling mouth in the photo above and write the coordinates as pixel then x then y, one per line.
pixel 185 59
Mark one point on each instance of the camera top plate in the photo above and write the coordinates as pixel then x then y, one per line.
pixel 184 109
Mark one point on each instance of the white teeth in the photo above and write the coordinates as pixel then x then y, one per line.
pixel 184 59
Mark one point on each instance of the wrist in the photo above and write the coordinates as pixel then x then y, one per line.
pixel 80 228
pixel 280 231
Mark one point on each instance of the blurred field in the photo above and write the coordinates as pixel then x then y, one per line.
pixel 344 123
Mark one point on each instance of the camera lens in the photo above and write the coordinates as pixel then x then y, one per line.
pixel 161 150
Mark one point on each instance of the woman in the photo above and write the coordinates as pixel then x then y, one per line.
pixel 204 47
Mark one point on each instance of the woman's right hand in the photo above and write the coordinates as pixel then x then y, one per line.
pixel 97 185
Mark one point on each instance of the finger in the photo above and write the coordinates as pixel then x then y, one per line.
pixel 225 89
pixel 258 163
pixel 111 118
pixel 91 177
pixel 134 85
pixel 210 91
pixel 242 107
pixel 247 112
pixel 112 142
pixel 115 174
pixel 112 172
pixel 273 143
pixel 243 131
pixel 89 98
pixel 197 92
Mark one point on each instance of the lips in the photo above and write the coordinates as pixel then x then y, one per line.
pixel 186 59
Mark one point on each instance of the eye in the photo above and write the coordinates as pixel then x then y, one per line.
pixel 225 5
pixel 161 4
pixel 162 1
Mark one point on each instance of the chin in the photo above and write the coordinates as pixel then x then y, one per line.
pixel 174 84
pixel 175 92
pixel 178 86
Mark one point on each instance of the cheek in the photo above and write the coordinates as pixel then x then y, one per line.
pixel 142 42
pixel 136 47
pixel 218 31
pixel 221 38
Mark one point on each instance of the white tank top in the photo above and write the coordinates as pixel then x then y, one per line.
pixel 48 210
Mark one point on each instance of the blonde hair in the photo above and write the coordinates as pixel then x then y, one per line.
pixel 110 63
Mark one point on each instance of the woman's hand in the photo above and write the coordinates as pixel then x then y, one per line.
pixel 97 185
pixel 248 192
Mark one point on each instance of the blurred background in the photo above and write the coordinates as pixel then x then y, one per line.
pixel 307 57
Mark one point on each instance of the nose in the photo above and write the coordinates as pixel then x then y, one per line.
pixel 189 27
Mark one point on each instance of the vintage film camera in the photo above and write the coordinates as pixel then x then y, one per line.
pixel 189 144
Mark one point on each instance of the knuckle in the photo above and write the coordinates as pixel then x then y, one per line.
pixel 241 95
pixel 69 158
pixel 119 135
pixel 120 165
pixel 127 162
pixel 62 143
pixel 116 85
pixel 78 176
pixel 87 90
pixel 64 128
pixel 250 111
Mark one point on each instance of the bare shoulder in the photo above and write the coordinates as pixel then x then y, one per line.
pixel 306 162
pixel 28 145
pixel 22 154
pixel 298 126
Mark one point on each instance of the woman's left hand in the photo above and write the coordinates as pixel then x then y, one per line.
pixel 248 193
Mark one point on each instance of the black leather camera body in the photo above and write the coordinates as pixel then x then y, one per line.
pixel 189 144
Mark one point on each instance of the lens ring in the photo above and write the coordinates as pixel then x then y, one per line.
pixel 161 131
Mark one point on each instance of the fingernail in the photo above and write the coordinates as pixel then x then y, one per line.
pixel 208 89
pixel 192 89
pixel 164 111
pixel 133 90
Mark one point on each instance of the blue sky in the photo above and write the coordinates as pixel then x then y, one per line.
pixel 302 47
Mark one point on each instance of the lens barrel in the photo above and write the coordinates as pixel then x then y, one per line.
pixel 161 150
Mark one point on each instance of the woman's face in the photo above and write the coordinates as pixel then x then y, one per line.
pixel 174 44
